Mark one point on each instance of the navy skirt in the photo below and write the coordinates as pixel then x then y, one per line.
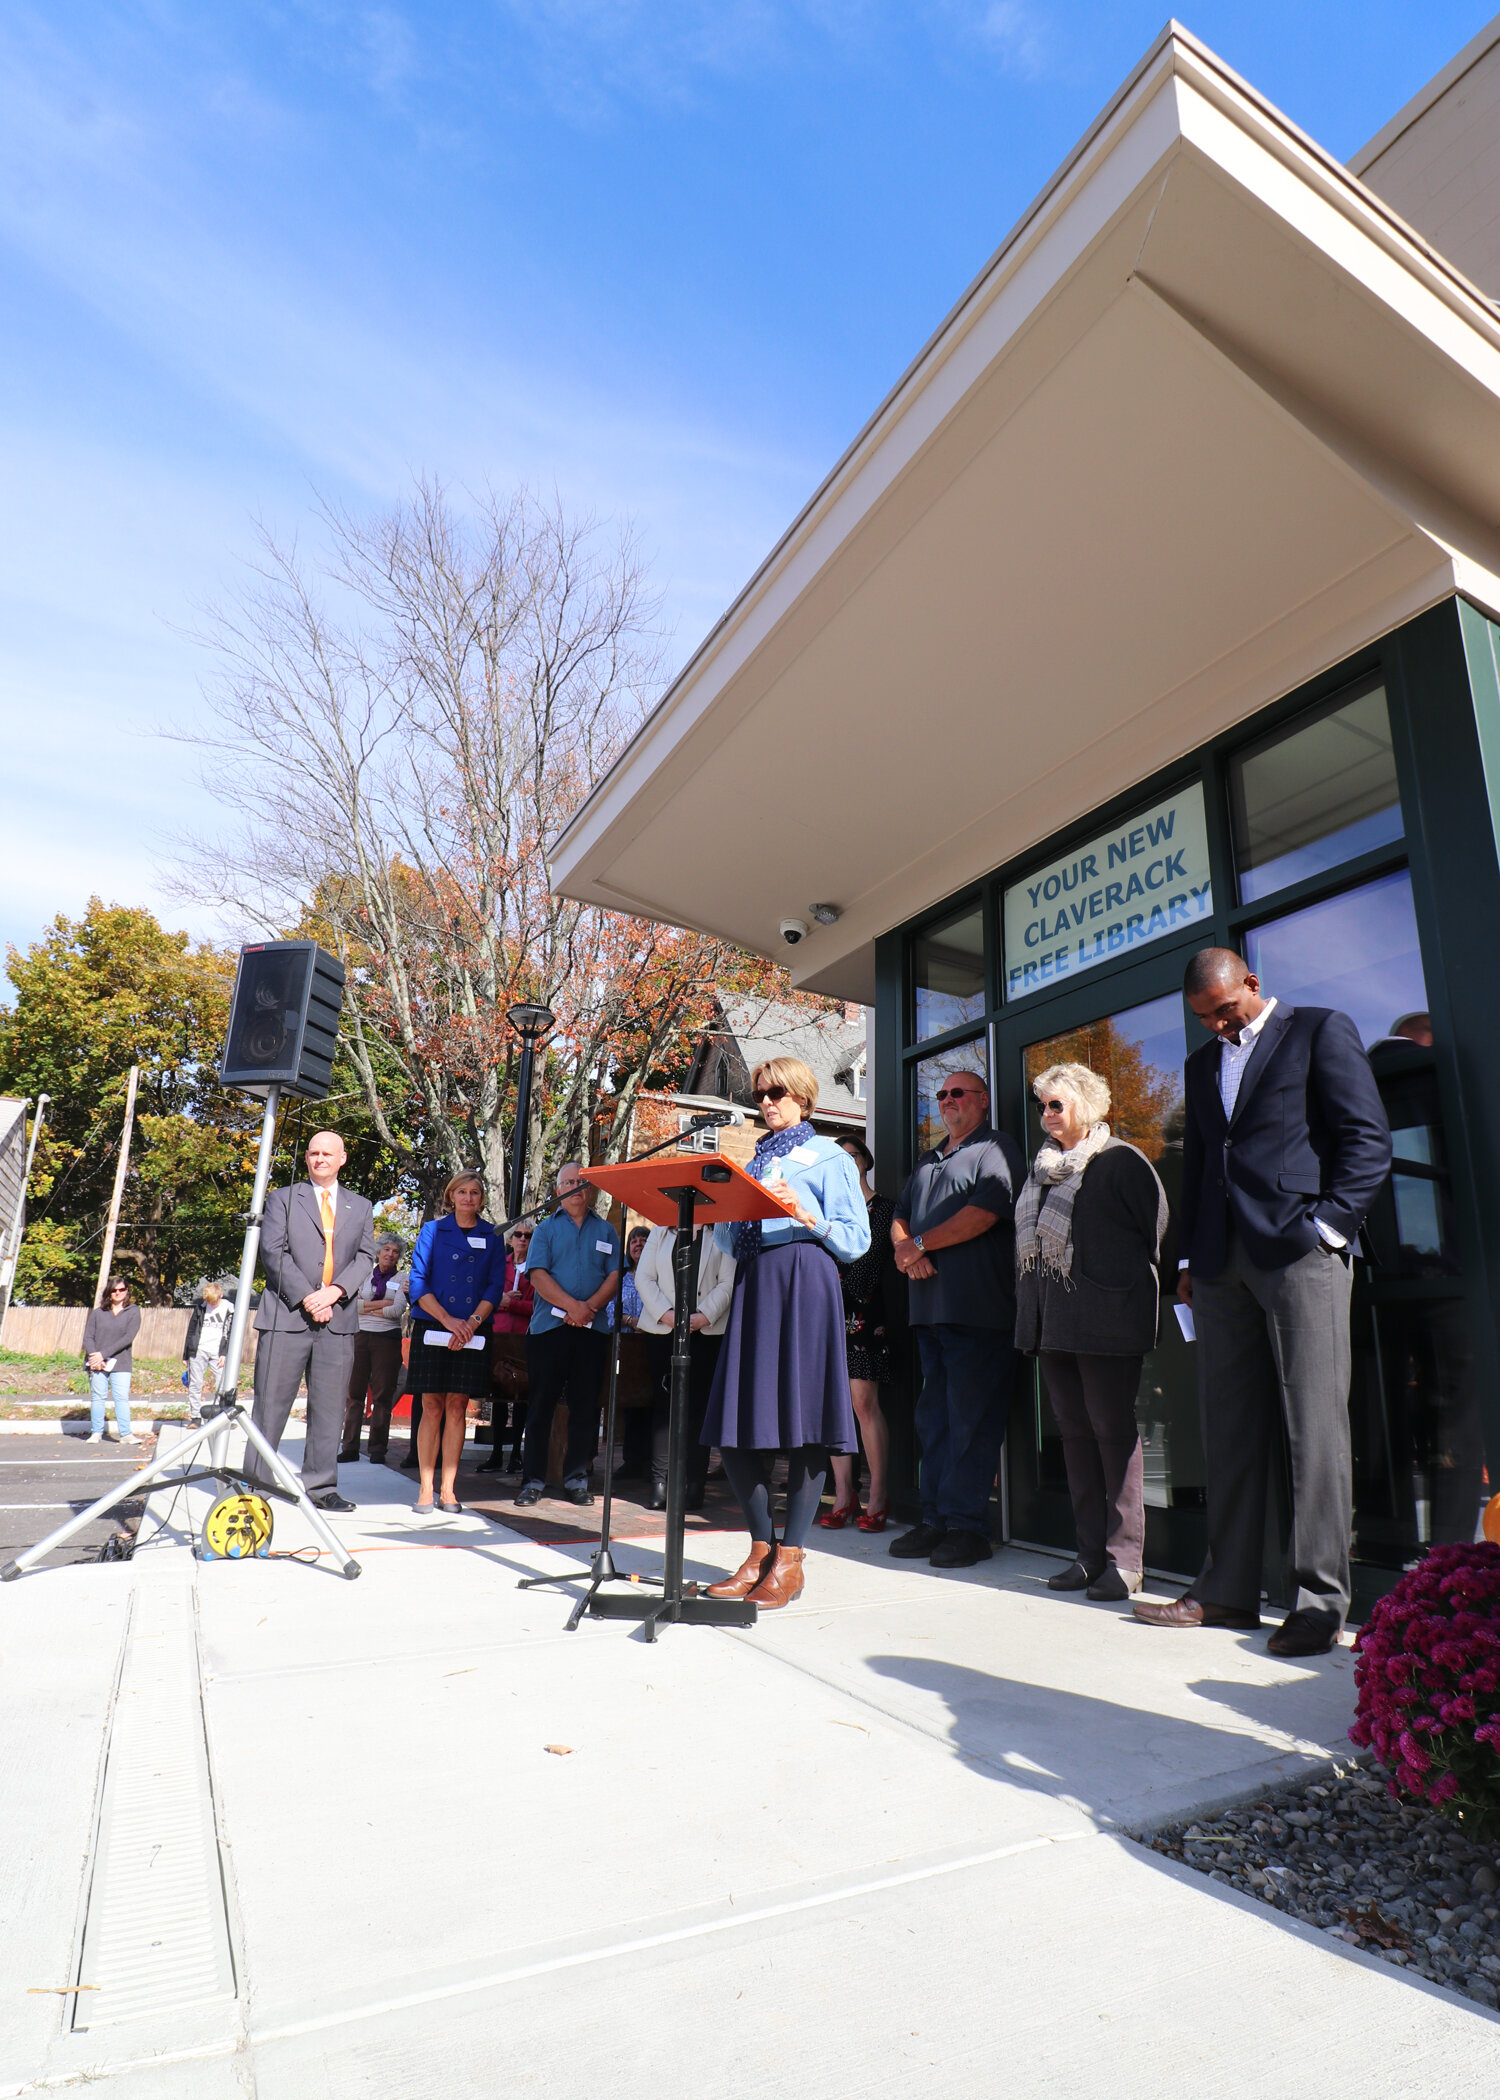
pixel 783 1376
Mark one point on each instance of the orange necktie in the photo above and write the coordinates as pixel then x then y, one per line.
pixel 327 1209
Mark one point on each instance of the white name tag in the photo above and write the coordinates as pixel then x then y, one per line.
pixel 603 1247
pixel 477 1243
pixel 801 1153
pixel 438 1338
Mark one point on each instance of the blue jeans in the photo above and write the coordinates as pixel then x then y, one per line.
pixel 104 1386
pixel 960 1419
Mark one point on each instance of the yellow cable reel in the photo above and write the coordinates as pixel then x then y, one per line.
pixel 238 1527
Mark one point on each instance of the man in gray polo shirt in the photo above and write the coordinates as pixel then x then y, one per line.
pixel 955 1242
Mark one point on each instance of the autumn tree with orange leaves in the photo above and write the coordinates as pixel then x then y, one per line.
pixel 401 729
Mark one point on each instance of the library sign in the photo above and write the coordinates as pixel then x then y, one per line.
pixel 1146 878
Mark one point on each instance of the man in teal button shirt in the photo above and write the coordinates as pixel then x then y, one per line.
pixel 574 1267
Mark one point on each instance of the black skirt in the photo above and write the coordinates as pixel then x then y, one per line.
pixel 435 1370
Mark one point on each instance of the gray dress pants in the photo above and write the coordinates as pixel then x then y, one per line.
pixel 1269 1339
pixel 282 1360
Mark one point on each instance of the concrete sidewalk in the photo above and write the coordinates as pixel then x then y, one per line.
pixel 404 1836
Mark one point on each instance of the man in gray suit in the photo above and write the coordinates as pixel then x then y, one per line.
pixel 317 1247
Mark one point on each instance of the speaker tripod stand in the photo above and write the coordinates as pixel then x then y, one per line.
pixel 226 1412
pixel 669 1192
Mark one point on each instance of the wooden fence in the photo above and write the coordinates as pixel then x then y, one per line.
pixel 57 1330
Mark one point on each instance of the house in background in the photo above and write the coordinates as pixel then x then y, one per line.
pixel 742 1034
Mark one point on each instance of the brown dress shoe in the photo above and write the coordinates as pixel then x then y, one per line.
pixel 1187 1611
pixel 743 1581
pixel 782 1580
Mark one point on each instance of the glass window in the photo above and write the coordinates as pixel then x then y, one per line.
pixel 1140 1052
pixel 1357 951
pixel 1315 796
pixel 972 1056
pixel 947 970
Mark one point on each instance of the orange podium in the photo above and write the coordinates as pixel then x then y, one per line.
pixel 684 1189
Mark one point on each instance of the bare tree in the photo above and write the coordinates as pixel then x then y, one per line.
pixel 403 728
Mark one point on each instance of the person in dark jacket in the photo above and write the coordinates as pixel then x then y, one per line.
pixel 1286 1148
pixel 108 1334
pixel 1089 1225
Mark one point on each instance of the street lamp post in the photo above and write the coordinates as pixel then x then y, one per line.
pixel 531 1022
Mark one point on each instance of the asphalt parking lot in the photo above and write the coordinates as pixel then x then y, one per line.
pixel 45 1479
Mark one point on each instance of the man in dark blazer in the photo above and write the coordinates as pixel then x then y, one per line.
pixel 317 1246
pixel 1285 1149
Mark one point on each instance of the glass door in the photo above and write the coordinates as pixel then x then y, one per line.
pixel 1139 1050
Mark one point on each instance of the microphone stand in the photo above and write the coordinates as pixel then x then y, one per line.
pixel 602 1567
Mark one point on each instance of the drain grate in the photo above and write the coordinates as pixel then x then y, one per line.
pixel 155 1934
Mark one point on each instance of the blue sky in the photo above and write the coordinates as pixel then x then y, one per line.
pixel 667 256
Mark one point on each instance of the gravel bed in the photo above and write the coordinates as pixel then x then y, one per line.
pixel 1403 1884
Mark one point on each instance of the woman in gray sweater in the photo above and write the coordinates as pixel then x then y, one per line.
pixel 1089 1225
pixel 108 1334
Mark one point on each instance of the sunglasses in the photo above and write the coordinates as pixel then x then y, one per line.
pixel 1054 1108
pixel 768 1093
pixel 956 1093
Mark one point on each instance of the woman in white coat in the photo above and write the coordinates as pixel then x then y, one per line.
pixel 658 1294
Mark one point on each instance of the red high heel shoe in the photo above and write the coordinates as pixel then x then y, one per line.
pixel 874 1519
pixel 841 1514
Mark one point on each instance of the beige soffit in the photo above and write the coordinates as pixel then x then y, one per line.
pixel 1210 420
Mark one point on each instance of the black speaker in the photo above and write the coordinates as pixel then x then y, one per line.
pixel 284 1021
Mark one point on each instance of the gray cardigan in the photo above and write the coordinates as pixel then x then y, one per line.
pixel 111 1333
pixel 1108 1306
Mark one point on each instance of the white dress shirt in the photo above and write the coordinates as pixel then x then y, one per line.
pixel 1233 1058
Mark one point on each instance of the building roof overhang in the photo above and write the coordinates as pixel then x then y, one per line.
pixel 1210 420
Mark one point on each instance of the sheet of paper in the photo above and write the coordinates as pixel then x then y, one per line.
pixel 1185 1321
pixel 438 1338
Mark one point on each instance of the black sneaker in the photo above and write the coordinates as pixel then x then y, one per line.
pixel 960 1549
pixel 916 1544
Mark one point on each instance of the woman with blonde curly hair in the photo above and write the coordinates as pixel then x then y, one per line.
pixel 1089 1225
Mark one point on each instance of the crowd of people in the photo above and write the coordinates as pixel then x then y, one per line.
pixel 986 1261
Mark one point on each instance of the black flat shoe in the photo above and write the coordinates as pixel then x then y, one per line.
pixel 349 1458
pixel 916 1544
pixel 1078 1577
pixel 1305 1633
pixel 331 1500
pixel 1113 1587
pixel 657 1499
pixel 961 1549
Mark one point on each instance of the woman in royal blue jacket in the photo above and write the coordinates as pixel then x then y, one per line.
pixel 457 1280
pixel 782 1382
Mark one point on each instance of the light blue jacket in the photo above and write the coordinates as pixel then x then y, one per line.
pixel 825 1181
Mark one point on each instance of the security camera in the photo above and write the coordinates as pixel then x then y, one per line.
pixel 793 930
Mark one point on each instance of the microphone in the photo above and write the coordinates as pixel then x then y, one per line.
pixel 716 1118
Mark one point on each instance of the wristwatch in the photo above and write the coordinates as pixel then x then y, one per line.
pixel 916 1241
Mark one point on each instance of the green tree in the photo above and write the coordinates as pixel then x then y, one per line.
pixel 93 997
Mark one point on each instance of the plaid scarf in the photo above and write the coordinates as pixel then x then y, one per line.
pixel 747 1241
pixel 1044 1208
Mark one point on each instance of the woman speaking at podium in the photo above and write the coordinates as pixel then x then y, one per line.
pixel 783 1380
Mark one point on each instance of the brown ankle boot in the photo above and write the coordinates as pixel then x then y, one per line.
pixel 744 1580
pixel 782 1580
